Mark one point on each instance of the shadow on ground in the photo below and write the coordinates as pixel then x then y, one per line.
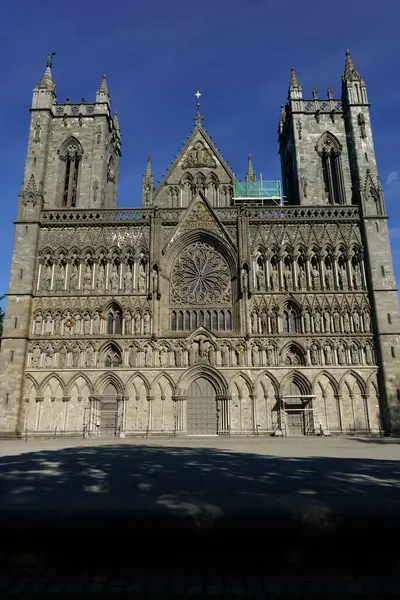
pixel 153 505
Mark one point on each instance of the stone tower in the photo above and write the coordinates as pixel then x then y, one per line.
pixel 327 152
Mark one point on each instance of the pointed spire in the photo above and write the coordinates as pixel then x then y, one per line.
pixel 102 94
pixel 148 176
pixel 295 89
pixel 148 185
pixel 251 176
pixel 350 72
pixel 46 81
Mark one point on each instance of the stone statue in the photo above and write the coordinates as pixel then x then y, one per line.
pixel 274 327
pixel 96 323
pixel 317 322
pixel 225 356
pixel 114 279
pixel 275 279
pixel 163 356
pixel 264 322
pixel 38 323
pixel 155 281
pixel 240 355
pixel 48 328
pixel 255 356
pixel 254 322
pixel 146 322
pixel 367 321
pixel 101 278
pixel 328 354
pixel 357 278
pixel 327 321
pixel 288 278
pixel 141 357
pixel 356 321
pixel 211 355
pixel 57 324
pixel 49 356
pixel 133 356
pixel 46 279
pixel 86 323
pixel 73 278
pixel 90 353
pixel 142 277
pixel 36 354
pixel 87 279
pixel 78 324
pixel 343 284
pixel 128 323
pixel 137 321
pixel 60 279
pixel 355 354
pixel 336 321
pixel 369 357
pixel 302 279
pixel 329 277
pixel 315 278
pixel 245 281
pixel 341 355
pixel 148 356
pixel 260 278
pixel 270 355
pixel 307 322
pixel 128 279
pixel 314 354
pixel 63 357
pixel 346 322
pixel 193 354
pixel 76 356
pixel 178 356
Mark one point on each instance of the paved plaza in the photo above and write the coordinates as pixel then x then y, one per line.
pixel 232 505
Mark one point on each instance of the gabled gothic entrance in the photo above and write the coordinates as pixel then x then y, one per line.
pixel 201 408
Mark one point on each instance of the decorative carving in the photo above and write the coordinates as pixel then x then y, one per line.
pixel 198 157
pixel 37 129
pixel 304 185
pixel 299 129
pixel 200 275
pixel 362 125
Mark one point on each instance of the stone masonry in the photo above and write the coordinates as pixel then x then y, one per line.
pixel 201 312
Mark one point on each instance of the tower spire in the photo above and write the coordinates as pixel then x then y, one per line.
pixel 350 72
pixel 148 185
pixel 295 89
pixel 46 81
pixel 102 94
pixel 251 176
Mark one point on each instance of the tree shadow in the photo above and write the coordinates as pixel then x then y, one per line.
pixel 146 505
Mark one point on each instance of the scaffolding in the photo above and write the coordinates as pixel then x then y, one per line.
pixel 258 193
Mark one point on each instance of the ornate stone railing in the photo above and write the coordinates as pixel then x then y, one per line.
pixel 126 215
pixel 64 217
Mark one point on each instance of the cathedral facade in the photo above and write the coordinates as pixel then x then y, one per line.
pixel 216 308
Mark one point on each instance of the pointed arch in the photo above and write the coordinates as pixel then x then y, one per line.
pixel 333 381
pixel 214 376
pixel 70 153
pixel 270 377
pixel 47 380
pixel 109 378
pixel 328 142
pixel 329 150
pixel 293 354
pixel 140 377
pixel 74 378
pixel 346 378
pixel 299 380
pixel 245 378
pixel 110 355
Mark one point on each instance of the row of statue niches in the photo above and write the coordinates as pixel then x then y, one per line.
pixel 325 321
pixel 76 323
pixel 308 275
pixel 201 351
pixel 99 277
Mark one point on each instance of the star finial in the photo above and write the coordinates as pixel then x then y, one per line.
pixel 198 118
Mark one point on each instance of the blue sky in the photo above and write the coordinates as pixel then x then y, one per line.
pixel 157 53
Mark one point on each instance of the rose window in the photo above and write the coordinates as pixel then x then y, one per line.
pixel 200 276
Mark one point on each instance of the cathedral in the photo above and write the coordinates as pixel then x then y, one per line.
pixel 221 306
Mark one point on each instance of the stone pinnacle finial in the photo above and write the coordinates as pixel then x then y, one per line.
pixel 103 89
pixel 282 118
pixel 116 121
pixel 350 72
pixel 294 82
pixel 250 176
pixel 198 118
pixel 148 176
pixel 46 81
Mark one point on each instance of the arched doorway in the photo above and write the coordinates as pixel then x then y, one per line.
pixel 104 416
pixel 202 416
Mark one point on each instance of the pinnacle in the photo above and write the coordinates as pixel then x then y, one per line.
pixel 103 89
pixel 46 81
pixel 294 82
pixel 251 176
pixel 350 72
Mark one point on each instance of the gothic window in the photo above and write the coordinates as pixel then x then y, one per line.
pixel 228 320
pixel 114 321
pixel 222 320
pixel 180 321
pixel 290 320
pixel 215 320
pixel 329 150
pixel 112 357
pixel 201 320
pixel 187 320
pixel 208 319
pixel 194 320
pixel 71 154
pixel 173 321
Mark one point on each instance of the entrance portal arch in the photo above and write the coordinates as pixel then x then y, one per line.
pixel 202 415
